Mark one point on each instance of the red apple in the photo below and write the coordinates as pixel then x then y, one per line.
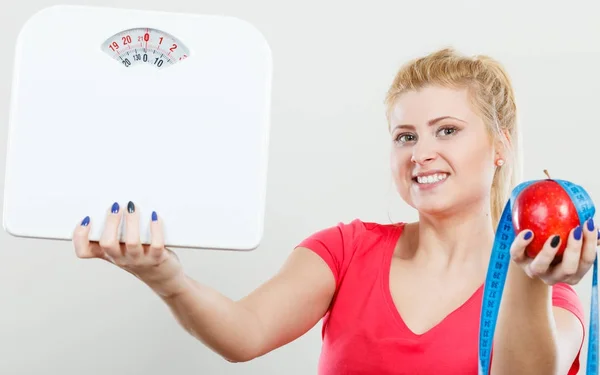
pixel 546 209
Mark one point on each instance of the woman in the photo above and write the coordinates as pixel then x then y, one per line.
pixel 399 298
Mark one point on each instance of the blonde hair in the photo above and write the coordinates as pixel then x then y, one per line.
pixel 492 96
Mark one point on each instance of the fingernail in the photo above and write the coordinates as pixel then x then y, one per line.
pixel 130 207
pixel 528 235
pixel 86 221
pixel 555 241
pixel 590 225
pixel 577 233
pixel 599 234
pixel 154 216
pixel 115 208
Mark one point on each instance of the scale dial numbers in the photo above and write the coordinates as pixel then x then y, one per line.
pixel 146 46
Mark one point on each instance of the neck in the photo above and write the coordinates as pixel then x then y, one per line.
pixel 457 240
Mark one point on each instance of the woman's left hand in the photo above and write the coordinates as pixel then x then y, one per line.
pixel 577 259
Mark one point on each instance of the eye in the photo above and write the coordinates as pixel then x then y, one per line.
pixel 405 137
pixel 448 130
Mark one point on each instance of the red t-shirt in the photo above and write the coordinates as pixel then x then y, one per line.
pixel 363 332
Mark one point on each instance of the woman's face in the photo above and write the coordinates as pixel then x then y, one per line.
pixel 442 157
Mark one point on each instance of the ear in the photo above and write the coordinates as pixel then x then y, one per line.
pixel 502 143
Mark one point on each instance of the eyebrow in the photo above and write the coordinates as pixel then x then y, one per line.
pixel 429 123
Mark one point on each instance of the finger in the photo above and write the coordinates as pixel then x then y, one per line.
pixel 83 248
pixel 157 243
pixel 590 239
pixel 81 241
pixel 588 251
pixel 109 241
pixel 542 261
pixel 133 245
pixel 569 264
pixel 517 249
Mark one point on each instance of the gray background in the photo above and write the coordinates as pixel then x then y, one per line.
pixel 333 62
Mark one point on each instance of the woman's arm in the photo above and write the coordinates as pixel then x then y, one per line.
pixel 533 336
pixel 279 311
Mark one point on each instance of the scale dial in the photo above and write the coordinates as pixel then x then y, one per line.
pixel 146 46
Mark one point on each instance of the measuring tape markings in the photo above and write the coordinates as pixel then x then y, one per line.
pixel 498 268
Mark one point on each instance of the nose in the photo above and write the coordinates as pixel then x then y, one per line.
pixel 423 152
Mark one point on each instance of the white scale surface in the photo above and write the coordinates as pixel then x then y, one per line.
pixel 168 110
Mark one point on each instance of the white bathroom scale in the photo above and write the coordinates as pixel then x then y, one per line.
pixel 167 110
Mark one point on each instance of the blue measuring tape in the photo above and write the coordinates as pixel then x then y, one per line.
pixel 498 268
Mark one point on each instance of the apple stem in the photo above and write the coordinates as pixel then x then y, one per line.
pixel 546 172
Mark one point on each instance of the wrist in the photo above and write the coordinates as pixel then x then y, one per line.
pixel 166 286
pixel 172 287
pixel 528 288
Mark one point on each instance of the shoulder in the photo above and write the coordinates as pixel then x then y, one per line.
pixel 338 245
pixel 566 297
pixel 570 323
pixel 349 235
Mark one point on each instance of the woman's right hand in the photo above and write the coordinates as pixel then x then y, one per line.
pixel 153 264
pixel 280 310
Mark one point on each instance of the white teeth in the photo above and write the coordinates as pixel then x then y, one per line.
pixel 432 178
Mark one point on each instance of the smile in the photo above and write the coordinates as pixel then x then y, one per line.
pixel 431 179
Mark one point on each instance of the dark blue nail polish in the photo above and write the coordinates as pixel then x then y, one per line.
pixel 528 235
pixel 115 208
pixel 577 233
pixel 130 207
pixel 85 221
pixel 555 241
pixel 154 216
pixel 590 224
pixel 599 234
